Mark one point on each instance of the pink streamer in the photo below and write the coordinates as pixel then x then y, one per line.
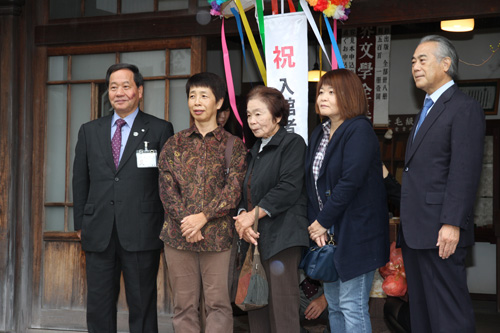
pixel 229 77
pixel 335 64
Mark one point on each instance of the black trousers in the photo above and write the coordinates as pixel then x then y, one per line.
pixel 140 270
pixel 437 290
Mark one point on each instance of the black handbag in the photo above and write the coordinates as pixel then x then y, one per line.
pixel 317 262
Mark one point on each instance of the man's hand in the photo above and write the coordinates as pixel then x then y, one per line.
pixel 192 224
pixel 448 238
pixel 79 234
pixel 316 308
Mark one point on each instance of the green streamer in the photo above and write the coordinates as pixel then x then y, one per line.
pixel 260 14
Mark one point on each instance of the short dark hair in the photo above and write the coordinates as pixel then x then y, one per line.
pixel 351 98
pixel 138 79
pixel 274 101
pixel 208 80
pixel 445 49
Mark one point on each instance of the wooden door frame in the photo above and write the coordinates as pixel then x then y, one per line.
pixel 17 21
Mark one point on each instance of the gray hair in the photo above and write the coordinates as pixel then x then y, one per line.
pixel 445 49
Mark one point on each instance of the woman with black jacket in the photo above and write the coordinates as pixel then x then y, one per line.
pixel 275 183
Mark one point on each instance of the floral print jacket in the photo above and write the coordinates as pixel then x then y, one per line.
pixel 193 179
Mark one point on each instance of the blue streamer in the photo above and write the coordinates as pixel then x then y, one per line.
pixel 340 62
pixel 240 30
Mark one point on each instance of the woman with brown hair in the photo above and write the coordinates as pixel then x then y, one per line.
pixel 346 193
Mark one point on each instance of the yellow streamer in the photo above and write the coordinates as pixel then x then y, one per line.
pixel 255 50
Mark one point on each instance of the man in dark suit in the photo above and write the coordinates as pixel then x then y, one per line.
pixel 117 208
pixel 441 174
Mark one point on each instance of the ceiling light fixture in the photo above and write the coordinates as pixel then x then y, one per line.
pixel 458 25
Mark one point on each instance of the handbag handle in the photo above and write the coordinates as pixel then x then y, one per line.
pixel 228 154
pixel 331 237
pixel 255 228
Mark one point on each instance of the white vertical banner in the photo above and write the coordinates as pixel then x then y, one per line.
pixel 286 65
pixel 381 97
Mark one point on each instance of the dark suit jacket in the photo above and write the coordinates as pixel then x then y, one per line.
pixel 441 173
pixel 129 195
pixel 351 187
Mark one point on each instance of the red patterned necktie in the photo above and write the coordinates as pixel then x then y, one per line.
pixel 116 141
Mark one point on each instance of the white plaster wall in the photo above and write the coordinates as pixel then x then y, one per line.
pixel 481 275
pixel 406 99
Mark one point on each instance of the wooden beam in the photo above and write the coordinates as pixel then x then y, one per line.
pixel 121 30
pixel 379 12
pixel 11 7
pixel 184 24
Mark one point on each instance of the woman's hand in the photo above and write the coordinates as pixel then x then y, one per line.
pixel 250 236
pixel 244 221
pixel 315 231
pixel 321 240
pixel 192 224
pixel 196 238
pixel 244 226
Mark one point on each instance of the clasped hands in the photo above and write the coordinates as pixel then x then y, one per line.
pixel 191 227
pixel 244 226
pixel 318 233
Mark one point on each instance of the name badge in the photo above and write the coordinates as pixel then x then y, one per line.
pixel 146 158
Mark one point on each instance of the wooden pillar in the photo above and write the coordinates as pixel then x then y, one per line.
pixel 10 140
pixel 496 205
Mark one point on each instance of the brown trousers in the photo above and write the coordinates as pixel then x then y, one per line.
pixel 282 312
pixel 187 271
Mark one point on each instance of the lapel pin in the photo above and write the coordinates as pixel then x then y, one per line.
pixel 142 130
pixel 136 134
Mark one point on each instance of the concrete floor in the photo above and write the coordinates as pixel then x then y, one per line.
pixel 487 319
